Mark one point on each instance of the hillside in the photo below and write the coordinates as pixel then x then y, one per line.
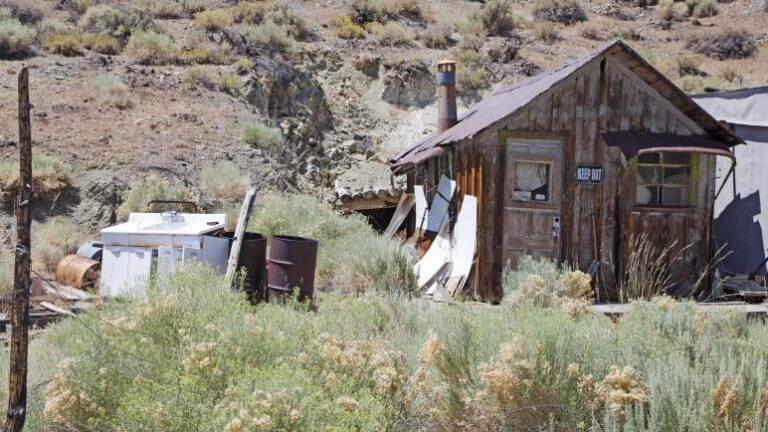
pixel 297 93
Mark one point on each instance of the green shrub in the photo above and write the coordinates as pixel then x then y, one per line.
pixel 150 48
pixel 118 22
pixel 223 181
pixel 547 32
pixel 688 64
pixel 101 43
pixel 248 12
pixel 497 17
pixel 52 241
pixel 230 83
pixel 16 39
pixel 215 19
pixel 472 64
pixel 243 66
pixel 50 176
pixel 111 91
pixel 152 188
pixel 726 44
pixel 272 37
pixel 27 12
pixel 67 43
pixel 390 34
pixel 437 36
pixel 345 28
pixel 262 135
pixel 561 11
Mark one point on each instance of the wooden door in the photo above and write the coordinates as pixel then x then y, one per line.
pixel 532 197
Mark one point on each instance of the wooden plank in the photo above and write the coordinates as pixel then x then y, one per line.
pixel 53 308
pixel 402 211
pixel 242 224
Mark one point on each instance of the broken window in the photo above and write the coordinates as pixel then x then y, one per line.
pixel 664 179
pixel 532 180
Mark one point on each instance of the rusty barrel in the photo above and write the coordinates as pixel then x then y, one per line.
pixel 79 272
pixel 292 263
pixel 253 258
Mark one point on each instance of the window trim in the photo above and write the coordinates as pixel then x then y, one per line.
pixel 692 185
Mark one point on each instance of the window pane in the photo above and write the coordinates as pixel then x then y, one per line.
pixel 677 175
pixel 531 181
pixel 648 175
pixel 647 195
pixel 677 158
pixel 652 158
pixel 677 196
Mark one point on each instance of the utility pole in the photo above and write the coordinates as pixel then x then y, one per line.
pixel 17 382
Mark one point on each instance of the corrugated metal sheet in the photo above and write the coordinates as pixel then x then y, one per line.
pixel 747 107
pixel 510 99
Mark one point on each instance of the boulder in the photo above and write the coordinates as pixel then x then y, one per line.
pixel 409 83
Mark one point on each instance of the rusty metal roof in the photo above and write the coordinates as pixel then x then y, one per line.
pixel 512 98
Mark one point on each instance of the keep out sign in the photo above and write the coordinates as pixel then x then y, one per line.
pixel 589 174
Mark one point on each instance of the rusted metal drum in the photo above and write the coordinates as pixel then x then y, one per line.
pixel 78 272
pixel 292 263
pixel 253 258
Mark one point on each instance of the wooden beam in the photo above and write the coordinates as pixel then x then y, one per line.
pixel 17 380
pixel 242 224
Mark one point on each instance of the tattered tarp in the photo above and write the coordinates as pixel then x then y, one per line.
pixel 634 143
pixel 747 107
pixel 512 98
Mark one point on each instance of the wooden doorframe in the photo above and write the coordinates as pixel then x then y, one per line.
pixel 503 135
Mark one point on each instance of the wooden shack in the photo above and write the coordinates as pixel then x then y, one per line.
pixel 571 164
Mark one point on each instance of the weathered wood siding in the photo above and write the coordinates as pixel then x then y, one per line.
pixel 603 96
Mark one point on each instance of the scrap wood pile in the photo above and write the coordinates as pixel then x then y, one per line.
pixel 444 240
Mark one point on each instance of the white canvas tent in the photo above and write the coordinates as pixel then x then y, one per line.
pixel 741 208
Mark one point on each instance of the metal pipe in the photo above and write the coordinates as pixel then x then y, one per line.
pixel 446 95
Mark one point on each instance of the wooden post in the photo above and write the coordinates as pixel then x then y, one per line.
pixel 237 241
pixel 17 382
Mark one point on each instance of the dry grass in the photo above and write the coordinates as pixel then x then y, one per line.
pixel 248 12
pixel 50 176
pixel 223 181
pixel 365 11
pixel 546 32
pixel 731 74
pixel 243 66
pixel 629 33
pixel 102 44
pixel 725 44
pixel 116 21
pixel 592 31
pixel 214 19
pixel 200 76
pixel 390 34
pixel 163 9
pixel 150 48
pixel 16 39
pixel 345 28
pixel 66 43
pixel 152 188
pixel 688 64
pixel 272 37
pixel 705 9
pixel 52 241
pixel 111 91
pixel 561 11
pixel 647 270
pixel 263 135
pixel 670 10
pixel 438 36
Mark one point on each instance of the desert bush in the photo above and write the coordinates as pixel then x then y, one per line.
pixel 640 3
pixel 561 11
pixel 150 48
pixel 27 12
pixel 365 11
pixel 592 31
pixel 390 34
pixel 727 44
pixel 731 74
pixel 472 34
pixel 200 76
pixel 243 66
pixel 263 135
pixel 152 188
pixel 229 83
pixel 544 283
pixel 282 14
pixel 688 64
pixel 248 12
pixel 50 176
pixel 214 19
pixel 547 32
pixel 351 257
pixel 629 33
pixel 101 43
pixel 691 84
pixel 223 181
pixel 163 9
pixel 471 63
pixel 52 241
pixel 118 22
pixel 345 28
pixel 67 43
pixel 194 56
pixel 111 91
pixel 16 39
pixel 497 17
pixel 272 37
pixel 670 10
pixel 191 7
pixel 704 9
pixel 438 36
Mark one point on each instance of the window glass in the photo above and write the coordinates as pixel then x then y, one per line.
pixel 663 179
pixel 532 180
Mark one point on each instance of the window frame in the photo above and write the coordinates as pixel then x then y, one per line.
pixel 693 165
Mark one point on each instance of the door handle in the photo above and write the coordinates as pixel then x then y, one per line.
pixel 556 227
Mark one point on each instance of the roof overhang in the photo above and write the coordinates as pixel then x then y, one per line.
pixel 637 143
